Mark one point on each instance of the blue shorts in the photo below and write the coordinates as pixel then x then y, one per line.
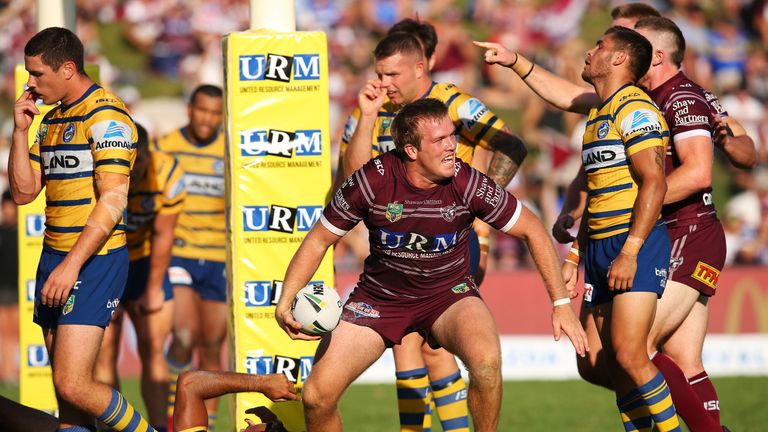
pixel 138 274
pixel 652 265
pixel 474 252
pixel 207 278
pixel 95 295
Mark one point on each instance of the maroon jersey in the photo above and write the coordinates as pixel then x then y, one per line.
pixel 689 111
pixel 418 237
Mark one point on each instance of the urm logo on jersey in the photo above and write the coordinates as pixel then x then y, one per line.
pixel 273 142
pixel 276 67
pixel 295 369
pixel 416 242
pixel 279 218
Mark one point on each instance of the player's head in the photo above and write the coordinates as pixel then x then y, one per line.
pixel 424 133
pixel 424 31
pixel 620 50
pixel 665 36
pixel 206 110
pixel 627 15
pixel 143 155
pixel 53 57
pixel 400 65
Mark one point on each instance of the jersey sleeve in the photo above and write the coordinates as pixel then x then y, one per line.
pixel 351 201
pixel 690 115
pixel 477 123
pixel 34 156
pixel 174 192
pixel 487 200
pixel 112 136
pixel 640 125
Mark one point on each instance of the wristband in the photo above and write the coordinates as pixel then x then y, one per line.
pixel 560 302
pixel 576 263
pixel 529 72
pixel 577 252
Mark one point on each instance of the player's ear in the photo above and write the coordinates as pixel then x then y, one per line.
pixel 68 69
pixel 619 57
pixel 411 151
pixel 658 57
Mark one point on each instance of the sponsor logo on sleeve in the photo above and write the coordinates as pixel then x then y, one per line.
pixel 641 121
pixel 349 128
pixel 470 112
pixel 111 135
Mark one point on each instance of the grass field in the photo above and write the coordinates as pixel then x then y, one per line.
pixel 528 405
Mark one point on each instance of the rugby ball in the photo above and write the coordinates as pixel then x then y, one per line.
pixel 317 307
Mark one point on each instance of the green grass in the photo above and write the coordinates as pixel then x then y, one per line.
pixel 528 405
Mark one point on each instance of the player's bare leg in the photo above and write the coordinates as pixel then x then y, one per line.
pixel 685 346
pixel 106 361
pixel 674 308
pixel 476 342
pixel 152 330
pixel 592 368
pixel 624 324
pixel 356 347
pixel 73 359
pixel 186 330
pixel 213 315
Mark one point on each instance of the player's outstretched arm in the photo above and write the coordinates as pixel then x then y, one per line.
pixel 732 139
pixel 573 208
pixel 303 265
pixel 558 91
pixel 26 182
pixel 530 229
pixel 194 387
pixel 112 199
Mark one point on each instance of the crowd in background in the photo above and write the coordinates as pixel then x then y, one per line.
pixel 180 42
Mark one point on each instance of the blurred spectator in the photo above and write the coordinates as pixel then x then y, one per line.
pixel 727 52
pixel 9 290
pixel 455 55
pixel 751 113
pixel 175 41
pixel 746 216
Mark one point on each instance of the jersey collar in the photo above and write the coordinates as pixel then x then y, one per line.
pixel 87 93
pixel 605 102
pixel 185 133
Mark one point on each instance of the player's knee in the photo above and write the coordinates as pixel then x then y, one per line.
pixel 316 400
pixel 485 369
pixel 70 389
pixel 186 337
pixel 631 359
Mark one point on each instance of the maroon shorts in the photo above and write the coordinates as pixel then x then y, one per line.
pixel 395 317
pixel 698 255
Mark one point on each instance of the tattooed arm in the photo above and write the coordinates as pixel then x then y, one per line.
pixel 509 153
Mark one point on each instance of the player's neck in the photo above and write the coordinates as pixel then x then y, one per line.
pixel 425 83
pixel 661 74
pixel 78 85
pixel 417 178
pixel 606 87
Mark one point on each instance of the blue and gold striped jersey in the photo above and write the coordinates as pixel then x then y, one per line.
pixel 160 190
pixel 621 126
pixel 94 134
pixel 474 121
pixel 201 228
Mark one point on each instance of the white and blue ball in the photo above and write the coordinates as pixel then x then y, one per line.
pixel 317 307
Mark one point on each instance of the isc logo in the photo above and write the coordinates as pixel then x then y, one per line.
pixel 282 219
pixel 277 67
pixel 35 225
pixel 293 368
pixel 260 142
pixel 37 356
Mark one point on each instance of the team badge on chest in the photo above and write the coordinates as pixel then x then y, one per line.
pixel 394 211
pixel 448 212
